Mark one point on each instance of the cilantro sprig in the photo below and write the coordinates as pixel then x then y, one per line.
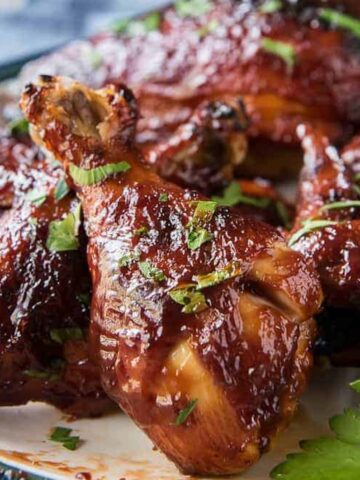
pixel 63 435
pixel 327 458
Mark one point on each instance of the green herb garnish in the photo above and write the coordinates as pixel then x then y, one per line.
pixel 126 260
pixel 214 278
pixel 283 50
pixel 63 234
pixel 61 190
pixel 150 272
pixel 270 6
pixel 33 221
pixel 196 234
pixel 138 27
pixel 192 300
pixel 36 197
pixel 63 335
pixel 163 197
pixel 143 230
pixel 341 20
pixel 339 205
pixel 197 237
pixel 184 414
pixel 40 374
pixel 95 58
pixel 19 126
pixel 63 435
pixel 356 189
pixel 233 195
pixel 95 175
pixel 308 227
pixel 283 214
pixel 51 374
pixel 209 28
pixel 355 386
pixel 84 298
pixel 327 458
pixel 192 8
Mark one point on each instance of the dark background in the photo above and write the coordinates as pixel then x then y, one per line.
pixel 31 26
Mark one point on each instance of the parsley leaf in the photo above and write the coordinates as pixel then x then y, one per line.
pixel 37 197
pixel 127 259
pixel 327 458
pixel 85 177
pixel 233 195
pixel 163 197
pixel 143 230
pixel 309 226
pixel 192 300
pixel 186 412
pixel 150 272
pixel 138 27
pixel 284 50
pixel 214 278
pixel 198 237
pixel 63 234
pixel 63 435
pixel 270 6
pixel 19 126
pixel 62 335
pixel 341 20
pixel 192 8
pixel 61 190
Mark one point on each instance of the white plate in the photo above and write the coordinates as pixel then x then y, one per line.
pixel 114 449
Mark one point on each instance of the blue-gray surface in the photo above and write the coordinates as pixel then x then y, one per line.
pixel 31 26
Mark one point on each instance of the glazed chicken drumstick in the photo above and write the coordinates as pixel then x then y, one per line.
pixel 327 225
pixel 201 318
pixel 44 285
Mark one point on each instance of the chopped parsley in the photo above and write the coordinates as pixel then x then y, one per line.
pixel 143 230
pixel 84 298
pixel 63 435
pixel 271 6
pixel 127 259
pixel 328 458
pixel 63 234
pixel 37 197
pixel 192 8
pixel 283 50
pixel 218 276
pixel 192 300
pixel 85 177
pixel 63 335
pixel 209 28
pixel 186 412
pixel 51 374
pixel 150 272
pixel 339 205
pixel 341 20
pixel 233 195
pixel 308 227
pixel 204 212
pixel 147 24
pixel 197 237
pixel 61 189
pixel 163 197
pixel 18 126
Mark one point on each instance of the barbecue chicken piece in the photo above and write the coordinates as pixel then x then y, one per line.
pixel 327 226
pixel 290 66
pixel 44 352
pixel 201 318
pixel 203 152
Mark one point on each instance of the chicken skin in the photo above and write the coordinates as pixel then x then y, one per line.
pixel 327 225
pixel 44 353
pixel 290 66
pixel 201 318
